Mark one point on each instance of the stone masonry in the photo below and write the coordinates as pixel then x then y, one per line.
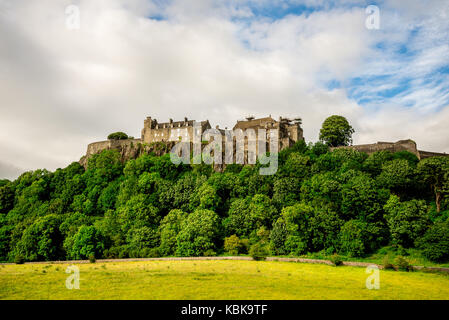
pixel 155 137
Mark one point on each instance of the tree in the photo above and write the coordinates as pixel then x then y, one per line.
pixel 278 236
pixel 361 200
pixel 373 164
pixel 169 229
pixel 232 245
pixel 6 198
pixel 325 225
pixel 249 214
pixel 199 233
pixel 86 242
pixel 285 192
pixel 294 228
pixel 358 238
pixel 435 172
pixel 336 131
pixel 407 220
pixel 118 136
pixel 435 242
pixel 42 240
pixel 398 175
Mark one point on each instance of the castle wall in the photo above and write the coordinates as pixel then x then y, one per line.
pixel 428 154
pixel 402 145
pixel 128 149
pixel 158 132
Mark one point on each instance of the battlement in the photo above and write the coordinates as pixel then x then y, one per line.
pixel 153 131
pixel 401 145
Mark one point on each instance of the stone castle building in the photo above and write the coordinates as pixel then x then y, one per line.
pixel 155 133
pixel 161 132
pixel 156 137
pixel 290 131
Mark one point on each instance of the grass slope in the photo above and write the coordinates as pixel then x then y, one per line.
pixel 215 280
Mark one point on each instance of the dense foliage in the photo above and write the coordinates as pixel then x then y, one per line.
pixel 118 136
pixel 343 202
pixel 336 131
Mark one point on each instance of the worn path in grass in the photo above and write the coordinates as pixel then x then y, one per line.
pixel 215 279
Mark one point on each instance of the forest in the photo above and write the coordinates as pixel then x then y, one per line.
pixel 343 202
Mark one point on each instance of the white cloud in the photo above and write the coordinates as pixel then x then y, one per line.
pixel 62 89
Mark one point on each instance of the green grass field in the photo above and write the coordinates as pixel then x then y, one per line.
pixel 215 280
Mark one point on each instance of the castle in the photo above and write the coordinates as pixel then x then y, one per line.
pixel 158 138
pixel 290 131
pixel 155 133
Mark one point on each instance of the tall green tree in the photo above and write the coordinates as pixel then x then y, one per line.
pixel 435 172
pixel 336 131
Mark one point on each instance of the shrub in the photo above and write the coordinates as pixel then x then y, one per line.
pixel 244 245
pixel 232 244
pixel 118 136
pixel 435 242
pixel 154 253
pixel 387 263
pixel 123 253
pixel 19 259
pixel 92 258
pixel 150 252
pixel 336 260
pixel 402 251
pixel 403 264
pixel 259 251
pixel 111 253
pixel 210 253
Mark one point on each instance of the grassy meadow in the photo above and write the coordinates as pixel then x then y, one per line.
pixel 215 280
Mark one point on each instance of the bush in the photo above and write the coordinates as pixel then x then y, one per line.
pixel 150 253
pixel 336 260
pixel 244 246
pixel 387 263
pixel 402 251
pixel 154 253
pixel 118 136
pixel 111 253
pixel 19 259
pixel 259 251
pixel 92 258
pixel 402 264
pixel 435 242
pixel 232 245
pixel 210 253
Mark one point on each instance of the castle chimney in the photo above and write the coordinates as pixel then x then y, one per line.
pixel 186 120
pixel 171 120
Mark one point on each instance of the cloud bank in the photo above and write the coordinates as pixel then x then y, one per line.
pixel 61 89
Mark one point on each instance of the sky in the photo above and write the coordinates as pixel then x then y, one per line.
pixel 71 72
